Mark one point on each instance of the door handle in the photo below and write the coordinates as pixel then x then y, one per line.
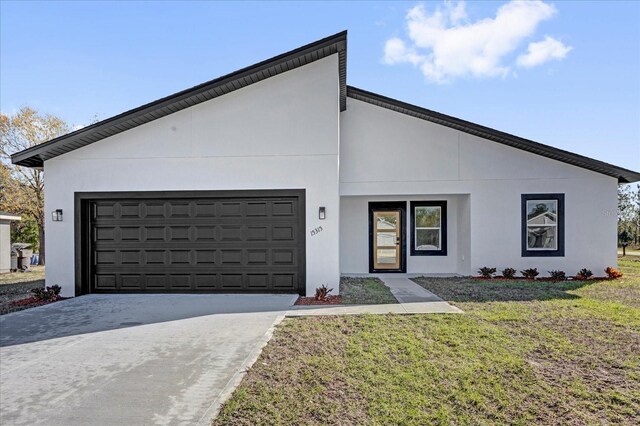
pixel 397 241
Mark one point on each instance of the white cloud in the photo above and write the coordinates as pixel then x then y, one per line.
pixel 395 51
pixel 543 51
pixel 445 45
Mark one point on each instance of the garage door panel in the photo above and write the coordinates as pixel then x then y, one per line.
pixel 205 233
pixel 154 281
pixel 205 257
pixel 230 209
pixel 129 210
pixel 231 281
pixel 284 281
pixel 197 244
pixel 104 233
pixel 257 257
pixel 284 208
pixel 283 232
pixel 130 281
pixel 154 210
pixel 205 281
pixel 196 282
pixel 195 258
pixel 105 282
pixel 155 257
pixel 256 208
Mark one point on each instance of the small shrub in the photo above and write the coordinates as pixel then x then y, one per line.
pixel 613 273
pixel 558 275
pixel 49 294
pixel 322 292
pixel 508 273
pixel 530 273
pixel 584 274
pixel 487 272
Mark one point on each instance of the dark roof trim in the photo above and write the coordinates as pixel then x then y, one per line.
pixel 337 43
pixel 623 175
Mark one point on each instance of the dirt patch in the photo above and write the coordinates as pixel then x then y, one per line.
pixel 602 358
pixel 330 300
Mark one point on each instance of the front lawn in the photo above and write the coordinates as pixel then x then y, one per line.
pixel 36 273
pixel 523 353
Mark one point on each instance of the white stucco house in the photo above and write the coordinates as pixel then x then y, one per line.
pixel 279 178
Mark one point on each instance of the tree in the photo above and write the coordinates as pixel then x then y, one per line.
pixel 636 214
pixel 23 187
pixel 624 240
pixel 26 231
pixel 629 213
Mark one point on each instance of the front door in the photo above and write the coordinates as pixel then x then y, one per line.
pixel 386 237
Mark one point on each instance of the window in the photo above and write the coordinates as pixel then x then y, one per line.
pixel 429 228
pixel 542 225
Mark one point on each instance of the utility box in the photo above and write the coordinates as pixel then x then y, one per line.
pixel 5 240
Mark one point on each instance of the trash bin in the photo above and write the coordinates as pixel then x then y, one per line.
pixel 35 258
pixel 21 260
pixel 23 255
pixel 14 261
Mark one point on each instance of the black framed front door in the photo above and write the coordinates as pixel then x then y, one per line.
pixel 387 235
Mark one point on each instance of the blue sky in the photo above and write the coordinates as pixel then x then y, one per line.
pixel 568 75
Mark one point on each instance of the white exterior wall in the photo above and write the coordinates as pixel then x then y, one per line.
pixel 392 156
pixel 281 133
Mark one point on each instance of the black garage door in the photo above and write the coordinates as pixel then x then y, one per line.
pixel 192 242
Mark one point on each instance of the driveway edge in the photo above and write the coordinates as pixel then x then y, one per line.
pixel 235 380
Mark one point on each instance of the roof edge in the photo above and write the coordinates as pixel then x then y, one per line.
pixel 33 156
pixel 623 175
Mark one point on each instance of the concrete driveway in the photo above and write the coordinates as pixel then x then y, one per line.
pixel 129 359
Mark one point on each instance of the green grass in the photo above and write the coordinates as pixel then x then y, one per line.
pixel 365 291
pixel 523 353
pixel 36 274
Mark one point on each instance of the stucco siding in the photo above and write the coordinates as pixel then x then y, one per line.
pixel 388 154
pixel 281 133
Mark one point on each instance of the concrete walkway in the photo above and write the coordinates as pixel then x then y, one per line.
pixel 406 291
pixel 412 298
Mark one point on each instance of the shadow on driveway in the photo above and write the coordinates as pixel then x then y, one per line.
pixel 95 313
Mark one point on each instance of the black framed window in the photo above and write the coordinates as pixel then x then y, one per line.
pixel 542 225
pixel 428 228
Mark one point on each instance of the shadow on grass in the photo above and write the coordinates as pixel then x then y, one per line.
pixel 473 290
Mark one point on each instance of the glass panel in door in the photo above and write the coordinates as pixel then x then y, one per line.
pixel 386 239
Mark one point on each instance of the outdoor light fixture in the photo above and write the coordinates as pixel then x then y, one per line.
pixel 322 213
pixel 56 215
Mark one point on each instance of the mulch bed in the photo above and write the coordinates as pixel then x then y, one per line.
pixel 10 293
pixel 549 279
pixel 330 300
pixel 32 302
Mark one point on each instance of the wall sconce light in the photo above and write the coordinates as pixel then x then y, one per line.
pixel 322 214
pixel 56 215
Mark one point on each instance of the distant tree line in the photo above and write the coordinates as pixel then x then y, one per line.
pixel 22 188
pixel 628 215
